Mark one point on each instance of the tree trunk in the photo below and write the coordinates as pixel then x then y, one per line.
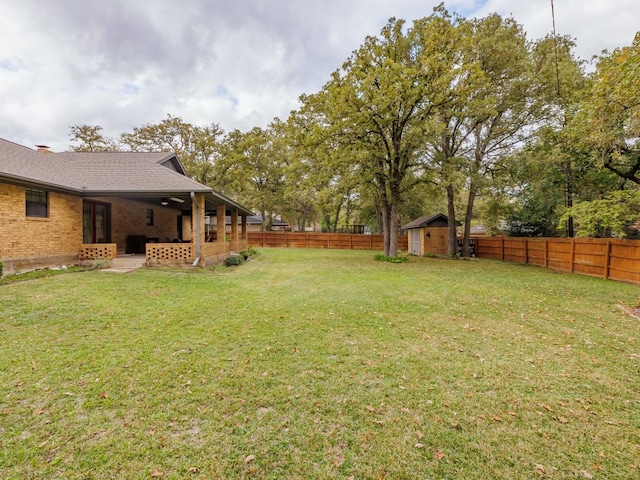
pixel 385 210
pixel 386 227
pixel 379 223
pixel 393 229
pixel 336 219
pixel 327 222
pixel 473 190
pixel 263 214
pixel 452 249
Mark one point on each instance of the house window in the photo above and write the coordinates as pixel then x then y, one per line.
pixel 150 216
pixel 37 203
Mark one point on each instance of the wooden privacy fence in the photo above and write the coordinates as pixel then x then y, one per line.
pixel 610 258
pixel 341 241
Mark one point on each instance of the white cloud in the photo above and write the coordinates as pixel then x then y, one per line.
pixel 125 63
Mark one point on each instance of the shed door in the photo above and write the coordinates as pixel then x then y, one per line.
pixel 414 238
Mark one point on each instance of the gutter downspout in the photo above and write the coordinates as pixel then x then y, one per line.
pixel 198 240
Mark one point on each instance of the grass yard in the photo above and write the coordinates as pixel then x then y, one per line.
pixel 306 364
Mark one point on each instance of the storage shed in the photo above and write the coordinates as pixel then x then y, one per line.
pixel 428 234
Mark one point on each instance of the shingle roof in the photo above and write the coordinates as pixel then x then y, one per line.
pixel 100 173
pixel 426 221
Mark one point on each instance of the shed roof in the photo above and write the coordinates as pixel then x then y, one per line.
pixel 437 219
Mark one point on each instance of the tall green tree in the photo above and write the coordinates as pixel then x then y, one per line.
pixel 197 147
pixel 382 103
pixel 609 119
pixel 254 163
pixel 616 214
pixel 323 169
pixel 503 106
pixel 89 138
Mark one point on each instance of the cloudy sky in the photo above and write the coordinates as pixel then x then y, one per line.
pixel 239 63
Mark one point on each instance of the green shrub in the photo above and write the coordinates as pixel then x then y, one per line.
pixel 1 266
pixel 100 263
pixel 383 258
pixel 233 260
pixel 248 253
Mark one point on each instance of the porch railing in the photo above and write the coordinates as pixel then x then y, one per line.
pixel 181 253
pixel 94 251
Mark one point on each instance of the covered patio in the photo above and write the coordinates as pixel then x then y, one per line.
pixel 180 227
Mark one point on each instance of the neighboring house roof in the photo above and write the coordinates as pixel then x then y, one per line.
pixel 103 173
pixel 258 220
pixel 436 220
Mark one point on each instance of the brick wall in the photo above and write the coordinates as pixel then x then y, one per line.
pixel 37 242
pixel 29 242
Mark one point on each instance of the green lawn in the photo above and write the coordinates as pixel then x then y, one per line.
pixel 320 364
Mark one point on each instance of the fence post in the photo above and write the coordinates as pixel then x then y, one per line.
pixel 526 250
pixel 546 252
pixel 607 262
pixel 501 248
pixel 572 254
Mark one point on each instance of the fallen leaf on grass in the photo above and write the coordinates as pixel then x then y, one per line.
pixel 496 418
pixel 585 474
pixel 438 455
pixel 420 435
pixel 370 408
pixel 249 459
pixel 539 469
pixel 156 473
pixel 419 445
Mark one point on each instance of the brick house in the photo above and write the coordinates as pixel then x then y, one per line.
pixel 59 208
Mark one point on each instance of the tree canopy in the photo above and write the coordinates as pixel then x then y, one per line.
pixel 442 112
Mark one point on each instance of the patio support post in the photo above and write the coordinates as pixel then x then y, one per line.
pixel 244 227
pixel 234 227
pixel 221 220
pixel 197 213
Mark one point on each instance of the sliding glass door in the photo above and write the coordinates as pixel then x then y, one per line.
pixel 96 222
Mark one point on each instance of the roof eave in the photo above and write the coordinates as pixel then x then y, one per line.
pixel 30 182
